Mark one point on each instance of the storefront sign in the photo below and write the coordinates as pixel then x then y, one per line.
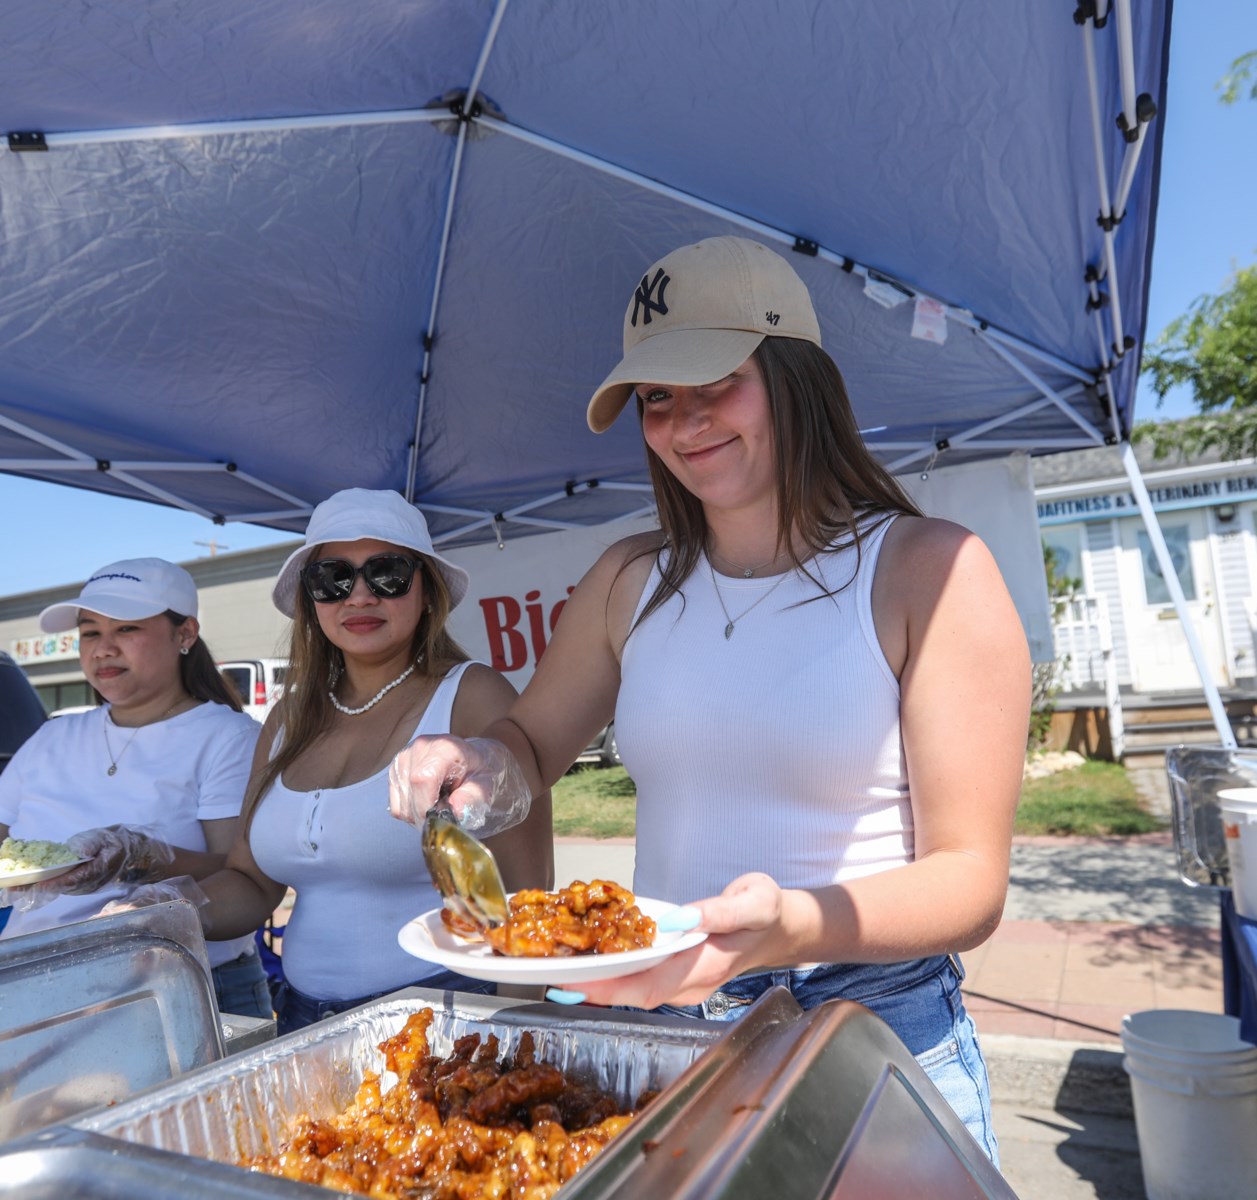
pixel 51 648
pixel 1164 499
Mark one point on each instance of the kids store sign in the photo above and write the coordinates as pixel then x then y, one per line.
pixel 1164 499
pixel 51 648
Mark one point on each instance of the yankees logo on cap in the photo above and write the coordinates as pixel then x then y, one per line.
pixel 698 313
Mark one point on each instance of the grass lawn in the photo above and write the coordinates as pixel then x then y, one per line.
pixel 597 802
pixel 1096 799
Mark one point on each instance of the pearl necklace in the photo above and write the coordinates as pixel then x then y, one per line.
pixel 384 691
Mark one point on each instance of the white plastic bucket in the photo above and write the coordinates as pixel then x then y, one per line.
pixel 1239 822
pixel 1194 1085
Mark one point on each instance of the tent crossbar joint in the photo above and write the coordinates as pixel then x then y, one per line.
pixel 1042 387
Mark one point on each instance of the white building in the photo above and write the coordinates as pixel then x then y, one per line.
pixel 1206 508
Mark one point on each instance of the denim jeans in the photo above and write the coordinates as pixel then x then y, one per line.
pixel 241 987
pixel 295 1010
pixel 919 1000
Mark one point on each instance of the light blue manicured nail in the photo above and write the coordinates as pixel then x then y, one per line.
pixel 565 997
pixel 679 920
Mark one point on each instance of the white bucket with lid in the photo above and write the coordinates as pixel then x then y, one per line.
pixel 1194 1086
pixel 1239 822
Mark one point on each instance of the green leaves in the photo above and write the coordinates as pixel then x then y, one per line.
pixel 1212 349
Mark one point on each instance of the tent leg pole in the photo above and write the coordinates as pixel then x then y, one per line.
pixel 1212 696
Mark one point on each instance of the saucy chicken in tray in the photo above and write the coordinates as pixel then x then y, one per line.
pixel 464 1127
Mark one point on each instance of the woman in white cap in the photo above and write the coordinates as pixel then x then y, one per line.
pixel 821 695
pixel 149 785
pixel 371 666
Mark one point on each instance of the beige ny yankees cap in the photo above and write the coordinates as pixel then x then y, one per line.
pixel 698 314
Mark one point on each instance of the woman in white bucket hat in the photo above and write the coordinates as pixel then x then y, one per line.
pixel 821 695
pixel 148 786
pixel 371 667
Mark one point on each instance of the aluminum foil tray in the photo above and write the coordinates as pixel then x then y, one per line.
pixel 245 1104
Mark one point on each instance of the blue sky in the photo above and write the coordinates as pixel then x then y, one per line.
pixel 1206 228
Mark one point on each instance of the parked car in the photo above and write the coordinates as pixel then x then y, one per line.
pixel 603 749
pixel 21 711
pixel 259 681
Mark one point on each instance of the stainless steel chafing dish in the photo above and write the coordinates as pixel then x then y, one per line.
pixel 827 1104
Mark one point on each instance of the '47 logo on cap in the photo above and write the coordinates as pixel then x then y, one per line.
pixel 645 298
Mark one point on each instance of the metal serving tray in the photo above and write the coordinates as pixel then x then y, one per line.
pixel 94 1012
pixel 826 1105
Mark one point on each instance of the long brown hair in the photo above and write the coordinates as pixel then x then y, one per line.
pixel 826 477
pixel 314 664
pixel 198 672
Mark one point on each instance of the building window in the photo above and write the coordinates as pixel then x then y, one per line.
pixel 1176 539
pixel 1065 542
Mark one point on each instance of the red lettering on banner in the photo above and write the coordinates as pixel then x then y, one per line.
pixel 535 624
pixel 501 616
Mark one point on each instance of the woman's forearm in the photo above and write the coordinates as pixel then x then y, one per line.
pixel 237 904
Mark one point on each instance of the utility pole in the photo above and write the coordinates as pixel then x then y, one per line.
pixel 214 546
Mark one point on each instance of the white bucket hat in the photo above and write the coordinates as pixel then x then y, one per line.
pixel 699 313
pixel 130 590
pixel 352 516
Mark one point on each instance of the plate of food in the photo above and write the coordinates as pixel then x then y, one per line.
pixel 578 934
pixel 29 861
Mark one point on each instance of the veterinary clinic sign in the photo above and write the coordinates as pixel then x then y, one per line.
pixel 1164 499
pixel 46 649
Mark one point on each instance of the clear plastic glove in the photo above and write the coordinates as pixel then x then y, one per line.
pixel 181 887
pixel 482 779
pixel 24 899
pixel 115 854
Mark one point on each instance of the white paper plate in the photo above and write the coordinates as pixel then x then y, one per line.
pixel 22 878
pixel 426 937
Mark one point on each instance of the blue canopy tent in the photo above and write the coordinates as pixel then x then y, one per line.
pixel 254 252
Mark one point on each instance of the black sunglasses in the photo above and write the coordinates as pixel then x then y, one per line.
pixel 332 579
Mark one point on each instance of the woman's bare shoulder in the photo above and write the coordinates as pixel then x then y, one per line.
pixel 484 695
pixel 932 545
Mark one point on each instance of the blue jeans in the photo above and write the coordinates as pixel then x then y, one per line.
pixel 295 1010
pixel 241 987
pixel 919 1000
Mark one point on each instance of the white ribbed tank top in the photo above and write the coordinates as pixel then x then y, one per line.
pixel 777 750
pixel 358 873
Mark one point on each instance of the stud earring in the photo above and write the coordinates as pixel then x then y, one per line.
pixel 183 649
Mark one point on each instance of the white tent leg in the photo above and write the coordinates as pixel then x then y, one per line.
pixel 1212 697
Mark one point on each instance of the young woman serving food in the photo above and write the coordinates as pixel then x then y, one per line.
pixel 821 695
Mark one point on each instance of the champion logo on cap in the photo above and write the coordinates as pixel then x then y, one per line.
pixel 644 297
pixel 116 575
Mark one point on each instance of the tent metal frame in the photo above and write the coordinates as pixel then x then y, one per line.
pixel 1014 353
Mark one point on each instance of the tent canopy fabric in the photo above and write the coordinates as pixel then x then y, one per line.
pixel 270 250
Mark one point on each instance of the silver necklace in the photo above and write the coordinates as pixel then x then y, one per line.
pixel 746 572
pixel 384 691
pixel 732 621
pixel 113 762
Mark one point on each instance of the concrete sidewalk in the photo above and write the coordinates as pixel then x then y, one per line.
pixel 1093 928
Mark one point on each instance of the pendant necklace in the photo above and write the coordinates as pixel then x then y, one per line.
pixel 732 621
pixel 113 762
pixel 384 691
pixel 746 572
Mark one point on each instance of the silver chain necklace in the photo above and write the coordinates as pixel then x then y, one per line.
pixel 104 728
pixel 384 691
pixel 732 621
pixel 746 572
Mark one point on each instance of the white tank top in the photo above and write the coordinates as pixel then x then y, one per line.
pixel 776 750
pixel 358 873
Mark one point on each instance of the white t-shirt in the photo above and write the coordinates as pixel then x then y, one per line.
pixel 172 775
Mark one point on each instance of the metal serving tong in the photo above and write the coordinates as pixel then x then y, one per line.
pixel 462 868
